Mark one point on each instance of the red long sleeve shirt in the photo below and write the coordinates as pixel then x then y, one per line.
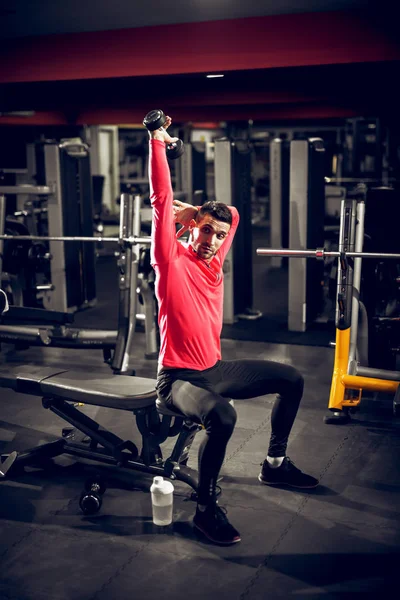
pixel 189 291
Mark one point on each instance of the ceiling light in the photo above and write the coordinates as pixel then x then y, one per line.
pixel 214 76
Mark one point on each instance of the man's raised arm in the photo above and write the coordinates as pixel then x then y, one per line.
pixel 164 243
pixel 223 251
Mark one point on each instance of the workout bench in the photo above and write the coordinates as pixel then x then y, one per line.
pixel 62 392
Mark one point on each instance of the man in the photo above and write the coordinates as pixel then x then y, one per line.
pixel 192 377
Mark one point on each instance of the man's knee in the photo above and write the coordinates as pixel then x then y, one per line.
pixel 299 381
pixel 294 382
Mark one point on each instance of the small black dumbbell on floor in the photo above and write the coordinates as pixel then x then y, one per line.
pixel 155 119
pixel 91 498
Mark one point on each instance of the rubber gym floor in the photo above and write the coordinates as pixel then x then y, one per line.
pixel 338 541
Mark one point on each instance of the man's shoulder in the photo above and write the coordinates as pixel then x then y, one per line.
pixel 182 255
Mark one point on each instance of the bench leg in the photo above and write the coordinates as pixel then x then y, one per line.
pixel 97 434
pixel 89 440
pixel 33 456
pixel 154 432
pixel 176 465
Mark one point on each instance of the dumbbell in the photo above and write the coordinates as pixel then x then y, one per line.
pixel 91 498
pixel 155 119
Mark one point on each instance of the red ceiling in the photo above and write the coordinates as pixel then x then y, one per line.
pixel 256 44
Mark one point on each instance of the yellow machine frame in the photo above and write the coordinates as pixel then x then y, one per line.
pixel 342 381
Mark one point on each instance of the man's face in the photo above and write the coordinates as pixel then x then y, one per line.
pixel 207 236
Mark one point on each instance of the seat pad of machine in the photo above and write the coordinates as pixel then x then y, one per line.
pixel 106 389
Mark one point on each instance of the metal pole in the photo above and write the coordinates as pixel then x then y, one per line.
pixel 373 255
pixel 125 270
pixel 137 205
pixel 294 253
pixel 377 373
pixel 141 284
pixel 344 284
pixel 130 240
pixel 36 190
pixel 131 222
pixel 320 253
pixel 359 241
pixel 2 226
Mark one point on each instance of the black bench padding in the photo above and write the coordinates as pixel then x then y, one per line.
pixel 122 392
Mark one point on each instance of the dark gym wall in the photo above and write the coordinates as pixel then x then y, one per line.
pixel 229 45
pixel 257 46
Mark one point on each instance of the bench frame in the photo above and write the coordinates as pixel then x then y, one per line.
pixel 87 439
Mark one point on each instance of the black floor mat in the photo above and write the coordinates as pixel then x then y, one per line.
pixel 274 330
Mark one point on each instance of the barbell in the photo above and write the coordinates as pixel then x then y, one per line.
pixel 321 254
pixel 124 241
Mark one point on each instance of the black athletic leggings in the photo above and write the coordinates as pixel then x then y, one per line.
pixel 204 396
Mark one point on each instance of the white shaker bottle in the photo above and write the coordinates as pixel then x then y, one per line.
pixel 162 501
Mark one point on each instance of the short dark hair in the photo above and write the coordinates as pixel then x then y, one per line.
pixel 218 210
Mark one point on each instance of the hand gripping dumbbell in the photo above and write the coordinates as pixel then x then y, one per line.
pixel 155 119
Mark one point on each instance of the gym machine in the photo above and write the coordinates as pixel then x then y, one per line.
pixel 66 392
pixel 53 328
pixel 191 173
pixel 380 290
pixel 26 265
pixel 65 194
pixel 233 186
pixel 306 230
pixel 352 373
pixel 279 196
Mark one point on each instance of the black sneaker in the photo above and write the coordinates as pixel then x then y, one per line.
pixel 287 474
pixel 213 523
